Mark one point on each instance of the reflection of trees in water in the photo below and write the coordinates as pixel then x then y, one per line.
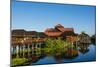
pixel 58 58
pixel 83 48
pixel 37 56
pixel 93 39
pixel 71 54
pixel 84 51
pixel 68 54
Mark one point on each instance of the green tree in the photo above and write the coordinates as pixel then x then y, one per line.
pixel 54 46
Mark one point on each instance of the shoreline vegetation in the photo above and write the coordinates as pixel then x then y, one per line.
pixel 57 45
pixel 20 61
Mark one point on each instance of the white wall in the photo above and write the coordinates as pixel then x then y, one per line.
pixel 86 2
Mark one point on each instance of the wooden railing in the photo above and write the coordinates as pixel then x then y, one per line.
pixel 28 41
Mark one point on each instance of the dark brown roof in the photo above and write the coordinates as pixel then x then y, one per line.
pixel 22 32
pixel 18 32
pixel 30 32
pixel 41 34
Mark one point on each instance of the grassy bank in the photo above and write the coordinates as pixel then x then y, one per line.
pixel 20 61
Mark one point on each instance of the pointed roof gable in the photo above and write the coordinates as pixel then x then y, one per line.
pixel 62 29
pixel 59 26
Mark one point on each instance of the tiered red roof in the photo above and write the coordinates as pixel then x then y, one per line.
pixel 58 30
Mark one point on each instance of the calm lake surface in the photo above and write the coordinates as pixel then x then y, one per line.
pixel 87 53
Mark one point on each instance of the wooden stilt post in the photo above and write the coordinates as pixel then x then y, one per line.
pixel 23 51
pixel 17 51
pixel 32 48
pixel 28 50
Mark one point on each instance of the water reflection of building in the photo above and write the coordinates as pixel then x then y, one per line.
pixel 83 48
pixel 71 53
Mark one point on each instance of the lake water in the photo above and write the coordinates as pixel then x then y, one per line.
pixel 86 53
